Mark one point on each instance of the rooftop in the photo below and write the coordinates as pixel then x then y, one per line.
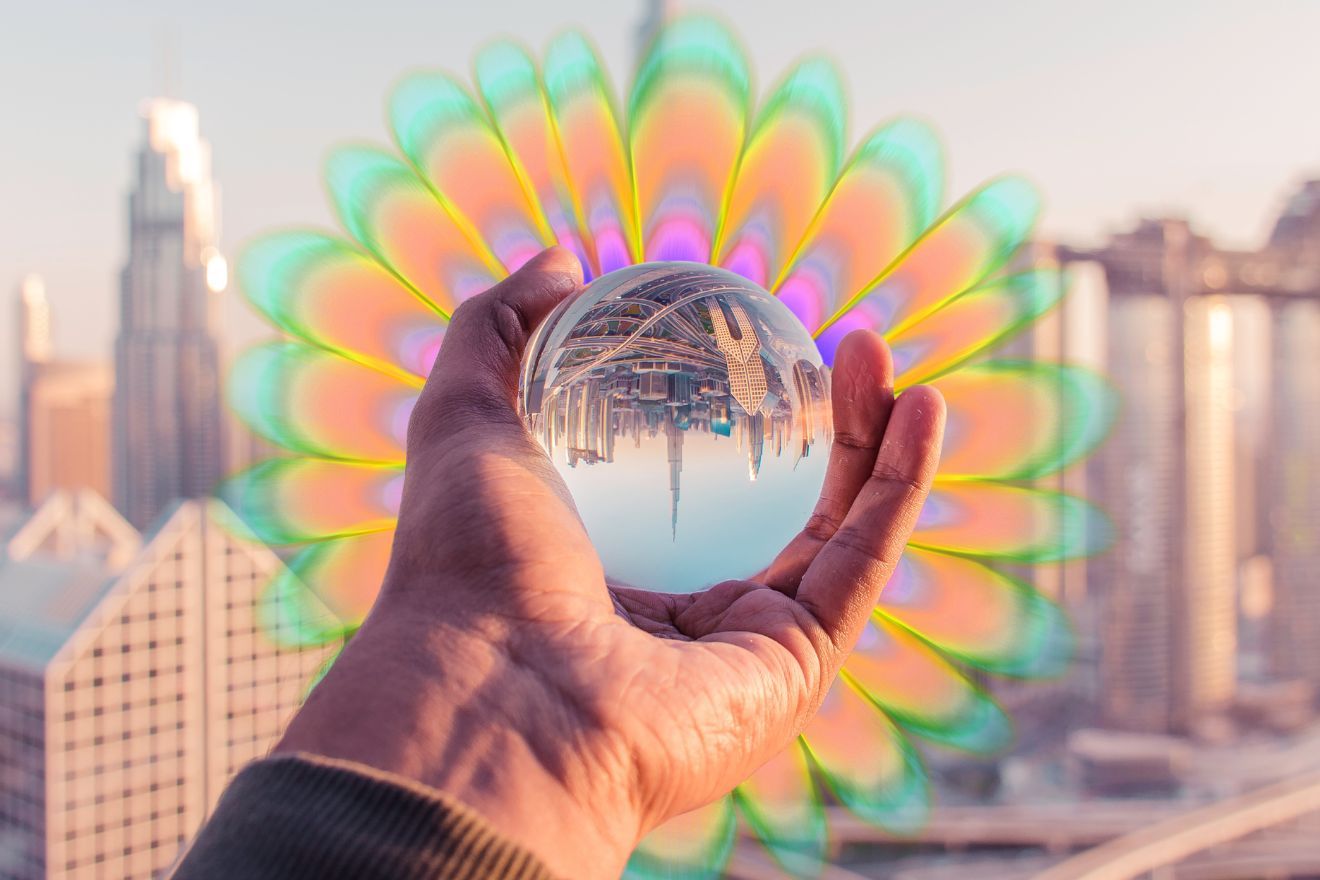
pixel 56 566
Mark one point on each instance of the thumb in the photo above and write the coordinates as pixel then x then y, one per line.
pixel 475 378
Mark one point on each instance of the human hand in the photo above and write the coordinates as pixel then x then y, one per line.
pixel 499 666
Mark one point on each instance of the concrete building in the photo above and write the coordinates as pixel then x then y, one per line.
pixel 169 438
pixel 1205 670
pixel 737 340
pixel 1290 281
pixel 1165 592
pixel 66 428
pixel 135 679
pixel 656 14
pixel 1206 501
pixel 64 409
pixel 33 343
pixel 706 373
pixel 8 458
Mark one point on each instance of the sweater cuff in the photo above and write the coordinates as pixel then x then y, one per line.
pixel 296 816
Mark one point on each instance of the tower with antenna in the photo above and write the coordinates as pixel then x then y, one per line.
pixel 168 430
pixel 656 13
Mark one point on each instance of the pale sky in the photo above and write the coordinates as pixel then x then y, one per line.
pixel 1116 108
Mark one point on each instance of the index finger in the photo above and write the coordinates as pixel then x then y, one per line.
pixel 862 395
pixel 843 582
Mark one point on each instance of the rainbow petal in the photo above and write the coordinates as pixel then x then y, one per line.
pixel 869 766
pixel 923 692
pixel 446 135
pixel 973 322
pixel 687 118
pixel 1021 420
pixel 293 500
pixel 384 205
pixel 971 241
pixel 887 194
pixel 977 615
pixel 582 103
pixel 317 403
pixel 292 616
pixel 998 521
pixel 693 846
pixel 781 804
pixel 791 159
pixel 542 158
pixel 343 575
pixel 511 88
pixel 320 289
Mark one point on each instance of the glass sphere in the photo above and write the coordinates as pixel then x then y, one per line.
pixel 688 411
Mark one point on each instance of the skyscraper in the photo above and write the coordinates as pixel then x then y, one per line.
pixel 1072 334
pixel 64 409
pixel 135 680
pixel 1292 520
pixel 1206 668
pixel 34 330
pixel 33 344
pixel 674 451
pixel 1167 590
pixel 1294 483
pixel 168 439
pixel 8 457
pixel 66 428
pixel 657 13
pixel 1136 581
pixel 738 342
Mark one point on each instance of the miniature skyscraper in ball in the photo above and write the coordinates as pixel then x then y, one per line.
pixel 688 411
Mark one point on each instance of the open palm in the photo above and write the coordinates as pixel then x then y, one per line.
pixel 523 683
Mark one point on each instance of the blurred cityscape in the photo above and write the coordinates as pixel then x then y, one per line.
pixel 136 676
pixel 681 355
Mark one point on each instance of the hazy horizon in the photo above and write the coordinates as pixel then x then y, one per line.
pixel 1115 110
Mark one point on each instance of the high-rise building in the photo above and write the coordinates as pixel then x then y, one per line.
pixel 64 409
pixel 1135 582
pixel 1207 658
pixel 1071 334
pixel 33 344
pixel 737 341
pixel 1294 482
pixel 1292 472
pixel 674 453
pixel 168 429
pixel 34 326
pixel 135 680
pixel 1166 592
pixel 1297 231
pixel 657 13
pixel 8 458
pixel 66 428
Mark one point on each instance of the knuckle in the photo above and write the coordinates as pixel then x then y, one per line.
pixel 867 547
pixel 887 472
pixel 490 318
pixel 511 326
pixel 821 525
pixel 854 440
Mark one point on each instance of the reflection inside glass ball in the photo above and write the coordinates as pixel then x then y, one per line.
pixel 688 411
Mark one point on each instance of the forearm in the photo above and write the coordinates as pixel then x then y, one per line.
pixel 304 816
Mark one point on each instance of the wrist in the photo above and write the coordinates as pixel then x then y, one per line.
pixel 451 708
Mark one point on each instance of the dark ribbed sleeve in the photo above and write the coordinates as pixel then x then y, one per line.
pixel 307 816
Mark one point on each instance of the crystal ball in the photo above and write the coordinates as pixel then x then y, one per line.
pixel 688 412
